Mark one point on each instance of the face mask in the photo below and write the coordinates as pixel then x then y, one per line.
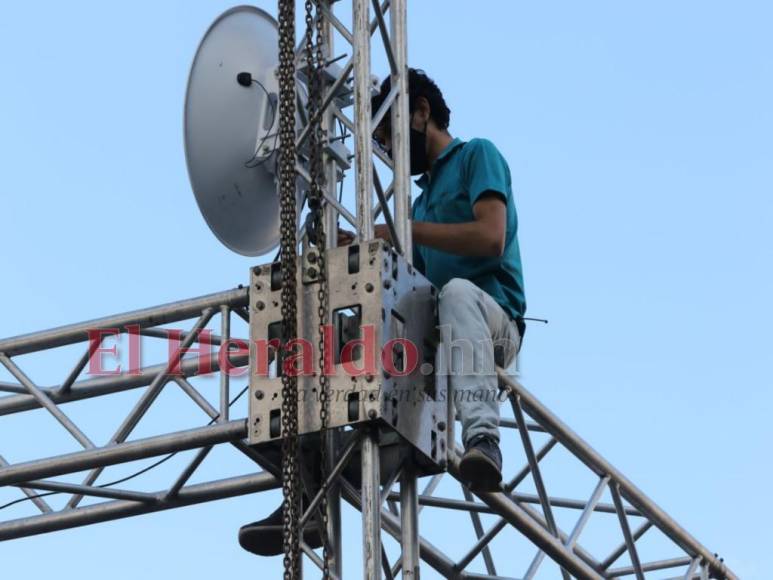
pixel 418 147
pixel 419 161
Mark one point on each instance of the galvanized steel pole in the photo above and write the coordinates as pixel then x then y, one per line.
pixel 400 127
pixel 371 506
pixel 363 153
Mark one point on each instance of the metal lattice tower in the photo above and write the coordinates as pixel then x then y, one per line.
pixel 389 498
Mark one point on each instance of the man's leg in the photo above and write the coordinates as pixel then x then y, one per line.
pixel 266 537
pixel 472 323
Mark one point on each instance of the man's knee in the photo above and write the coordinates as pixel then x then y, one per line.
pixel 456 290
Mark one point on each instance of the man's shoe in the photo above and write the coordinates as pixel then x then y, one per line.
pixel 481 464
pixel 265 537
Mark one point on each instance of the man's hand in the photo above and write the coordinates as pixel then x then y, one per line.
pixel 380 231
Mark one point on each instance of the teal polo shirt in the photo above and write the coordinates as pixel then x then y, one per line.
pixel 460 175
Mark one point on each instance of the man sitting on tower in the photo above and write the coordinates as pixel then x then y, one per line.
pixel 465 242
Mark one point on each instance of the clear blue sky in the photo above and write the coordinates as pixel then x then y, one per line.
pixel 639 135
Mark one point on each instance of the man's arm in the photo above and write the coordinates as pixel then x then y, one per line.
pixel 484 236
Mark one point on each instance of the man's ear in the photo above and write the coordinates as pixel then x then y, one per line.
pixel 422 111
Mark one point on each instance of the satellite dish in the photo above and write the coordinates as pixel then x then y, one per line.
pixel 231 120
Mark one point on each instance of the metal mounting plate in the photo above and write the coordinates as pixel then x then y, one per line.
pixel 374 291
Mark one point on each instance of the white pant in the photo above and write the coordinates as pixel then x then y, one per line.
pixel 476 336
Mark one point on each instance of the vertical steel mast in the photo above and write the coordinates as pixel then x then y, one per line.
pixel 361 125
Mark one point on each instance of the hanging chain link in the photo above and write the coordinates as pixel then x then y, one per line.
pixel 288 248
pixel 315 62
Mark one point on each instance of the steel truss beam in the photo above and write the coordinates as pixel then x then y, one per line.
pixel 114 510
pixel 145 318
pixel 621 489
pixel 121 453
pixel 117 450
pixel 512 506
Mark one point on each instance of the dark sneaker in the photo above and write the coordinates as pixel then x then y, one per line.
pixel 481 464
pixel 264 538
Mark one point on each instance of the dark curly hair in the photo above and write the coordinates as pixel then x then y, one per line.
pixel 419 85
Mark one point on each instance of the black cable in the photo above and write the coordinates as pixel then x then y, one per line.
pixel 251 161
pixel 23 499
pixel 128 477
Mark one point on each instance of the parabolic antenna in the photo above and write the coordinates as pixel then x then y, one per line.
pixel 230 129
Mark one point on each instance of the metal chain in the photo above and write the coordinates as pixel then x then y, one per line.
pixel 315 62
pixel 288 248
